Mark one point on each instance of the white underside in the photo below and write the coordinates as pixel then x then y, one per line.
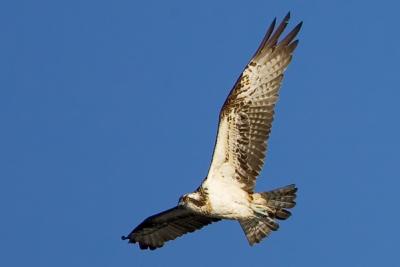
pixel 227 199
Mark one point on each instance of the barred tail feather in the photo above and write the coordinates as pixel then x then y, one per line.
pixel 279 198
pixel 255 230
pixel 267 207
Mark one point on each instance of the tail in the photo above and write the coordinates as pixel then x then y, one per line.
pixel 267 207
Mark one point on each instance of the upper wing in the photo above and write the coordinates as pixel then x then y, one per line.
pixel 153 232
pixel 247 114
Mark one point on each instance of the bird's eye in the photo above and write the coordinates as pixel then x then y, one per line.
pixel 182 199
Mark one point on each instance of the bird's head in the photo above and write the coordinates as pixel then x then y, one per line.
pixel 192 200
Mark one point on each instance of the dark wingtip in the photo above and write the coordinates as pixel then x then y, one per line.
pixel 299 25
pixel 287 17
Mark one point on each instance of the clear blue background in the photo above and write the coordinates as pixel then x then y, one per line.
pixel 109 110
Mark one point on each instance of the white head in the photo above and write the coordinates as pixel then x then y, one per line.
pixel 194 201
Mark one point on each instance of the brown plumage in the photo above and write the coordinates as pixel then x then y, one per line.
pixel 278 200
pixel 153 232
pixel 244 126
pixel 249 109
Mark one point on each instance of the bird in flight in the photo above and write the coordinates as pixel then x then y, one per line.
pixel 244 127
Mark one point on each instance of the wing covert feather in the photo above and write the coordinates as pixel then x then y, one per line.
pixel 247 114
pixel 154 231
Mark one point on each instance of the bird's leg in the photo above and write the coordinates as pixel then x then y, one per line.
pixel 262 210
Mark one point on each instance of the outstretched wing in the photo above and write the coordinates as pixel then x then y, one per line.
pixel 247 114
pixel 153 232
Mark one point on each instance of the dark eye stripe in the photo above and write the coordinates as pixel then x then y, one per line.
pixel 197 202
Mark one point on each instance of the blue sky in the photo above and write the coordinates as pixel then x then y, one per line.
pixel 109 110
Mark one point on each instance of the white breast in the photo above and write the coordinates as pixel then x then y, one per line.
pixel 227 199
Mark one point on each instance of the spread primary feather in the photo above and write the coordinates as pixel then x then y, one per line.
pixel 244 126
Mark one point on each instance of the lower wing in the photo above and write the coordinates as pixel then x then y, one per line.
pixel 153 232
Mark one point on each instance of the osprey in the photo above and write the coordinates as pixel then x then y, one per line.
pixel 244 126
